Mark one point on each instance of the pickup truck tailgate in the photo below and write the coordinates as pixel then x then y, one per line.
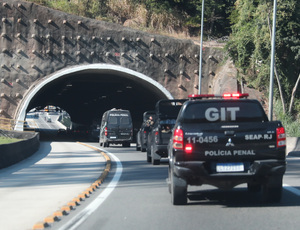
pixel 229 141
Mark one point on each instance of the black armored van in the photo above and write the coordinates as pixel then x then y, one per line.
pixel 116 128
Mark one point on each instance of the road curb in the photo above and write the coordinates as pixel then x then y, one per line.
pixel 71 205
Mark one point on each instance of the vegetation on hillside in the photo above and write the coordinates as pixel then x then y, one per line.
pixel 250 48
pixel 166 16
pixel 7 140
pixel 248 23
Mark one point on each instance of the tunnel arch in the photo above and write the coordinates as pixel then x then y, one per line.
pixel 90 68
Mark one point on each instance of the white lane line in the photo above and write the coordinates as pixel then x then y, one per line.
pixel 85 213
pixel 292 189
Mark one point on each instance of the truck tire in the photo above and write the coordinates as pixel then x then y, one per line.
pixel 137 148
pixel 178 190
pixel 272 190
pixel 254 187
pixel 154 161
pixel 148 158
pixel 126 144
pixel 148 154
pixel 169 180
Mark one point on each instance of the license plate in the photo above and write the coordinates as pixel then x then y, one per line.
pixel 112 137
pixel 230 167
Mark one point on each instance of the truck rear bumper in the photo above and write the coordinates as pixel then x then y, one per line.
pixel 198 173
pixel 161 150
pixel 118 141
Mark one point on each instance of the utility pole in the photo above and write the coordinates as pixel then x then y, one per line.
pixel 201 49
pixel 272 62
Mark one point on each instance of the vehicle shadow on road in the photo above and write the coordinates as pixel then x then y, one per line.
pixel 42 152
pixel 239 197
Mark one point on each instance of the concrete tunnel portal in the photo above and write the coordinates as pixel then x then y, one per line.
pixel 87 91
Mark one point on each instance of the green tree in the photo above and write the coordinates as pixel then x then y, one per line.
pixel 216 15
pixel 250 44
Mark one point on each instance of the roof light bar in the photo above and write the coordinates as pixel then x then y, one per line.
pixel 225 95
pixel 199 96
pixel 235 95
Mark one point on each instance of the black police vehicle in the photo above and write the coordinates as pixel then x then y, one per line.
pixel 166 112
pixel 116 128
pixel 225 141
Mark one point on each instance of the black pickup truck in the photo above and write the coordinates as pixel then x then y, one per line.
pixel 166 111
pixel 225 141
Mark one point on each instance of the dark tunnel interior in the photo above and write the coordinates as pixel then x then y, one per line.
pixel 86 95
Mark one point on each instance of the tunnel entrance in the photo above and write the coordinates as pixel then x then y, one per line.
pixel 86 92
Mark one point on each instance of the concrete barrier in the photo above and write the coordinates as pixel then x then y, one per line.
pixel 14 152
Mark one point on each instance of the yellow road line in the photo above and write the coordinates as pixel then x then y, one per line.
pixel 65 210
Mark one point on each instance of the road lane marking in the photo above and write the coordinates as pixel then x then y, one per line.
pixel 292 189
pixel 85 213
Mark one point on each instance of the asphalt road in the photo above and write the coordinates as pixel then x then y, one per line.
pixel 45 183
pixel 134 194
pixel 37 187
pixel 138 198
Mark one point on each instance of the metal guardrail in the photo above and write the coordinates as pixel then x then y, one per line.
pixel 10 124
pixel 7 124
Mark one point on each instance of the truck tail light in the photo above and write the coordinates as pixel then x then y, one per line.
pixel 188 148
pixel 178 139
pixel 156 137
pixel 280 137
pixel 105 131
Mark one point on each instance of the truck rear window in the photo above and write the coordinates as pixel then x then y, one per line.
pixel 119 118
pixel 169 108
pixel 223 111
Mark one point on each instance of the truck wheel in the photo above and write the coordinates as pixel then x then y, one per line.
pixel 254 187
pixel 137 148
pixel 169 180
pixel 148 154
pixel 126 144
pixel 178 190
pixel 154 161
pixel 272 190
pixel 148 158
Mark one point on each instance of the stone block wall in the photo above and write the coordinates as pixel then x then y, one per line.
pixel 37 41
